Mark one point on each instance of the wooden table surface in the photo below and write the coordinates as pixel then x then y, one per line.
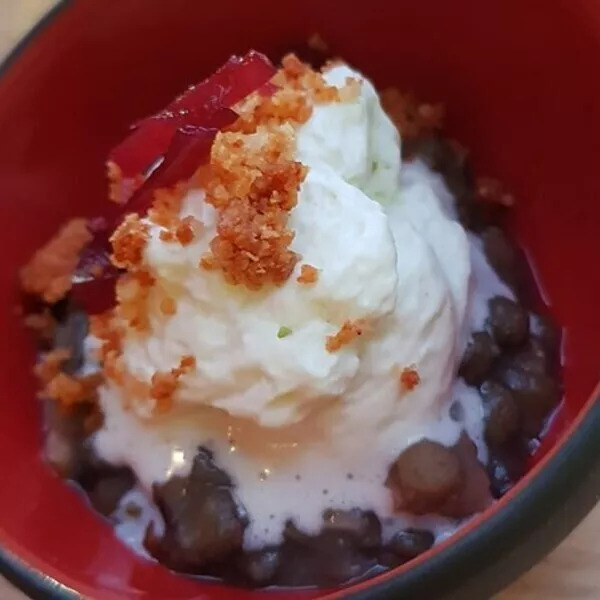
pixel 571 572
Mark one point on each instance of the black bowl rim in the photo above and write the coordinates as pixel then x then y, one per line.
pixel 480 562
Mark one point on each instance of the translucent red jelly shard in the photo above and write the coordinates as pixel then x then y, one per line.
pixel 189 148
pixel 231 83
pixel 237 78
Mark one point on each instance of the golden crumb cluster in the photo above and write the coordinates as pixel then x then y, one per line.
pixel 165 211
pixel 348 332
pixel 65 389
pixel 254 186
pixel 409 379
pixel 164 383
pixel 308 275
pixel 132 292
pixel 48 274
pixel 182 231
pixel 129 242
pixel 411 117
pixel 298 76
pixel 120 188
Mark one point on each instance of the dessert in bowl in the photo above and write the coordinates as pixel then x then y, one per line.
pixel 317 349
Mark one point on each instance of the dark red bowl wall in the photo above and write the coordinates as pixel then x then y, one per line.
pixel 520 81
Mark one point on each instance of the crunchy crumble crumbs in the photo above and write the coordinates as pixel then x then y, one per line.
pixel 168 306
pixel 65 389
pixel 308 274
pixel 132 291
pixel 409 378
pixel 182 230
pixel 120 189
pixel 298 87
pixel 164 384
pixel 68 390
pixel 128 242
pixel 186 230
pixel 166 206
pixel 283 106
pixel 410 116
pixel 104 328
pixel 208 262
pixel 166 235
pixel 254 186
pixel 48 274
pixel 349 331
pixel 296 75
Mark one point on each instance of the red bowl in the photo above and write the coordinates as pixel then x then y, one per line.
pixel 519 81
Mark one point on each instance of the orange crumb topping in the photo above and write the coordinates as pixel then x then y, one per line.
pixel 166 235
pixel 285 105
pixel 254 186
pixel 166 205
pixel 187 363
pixel 409 379
pixel 297 75
pixel 308 274
pixel 186 230
pixel 493 191
pixel 164 384
pixel 168 306
pixel 105 328
pixel 132 291
pixel 68 390
pixel 65 389
pixel 49 272
pixel 349 331
pixel 128 242
pixel 119 189
pixel 410 116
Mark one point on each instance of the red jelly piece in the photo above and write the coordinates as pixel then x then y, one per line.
pixel 163 150
pixel 237 78
pixel 189 149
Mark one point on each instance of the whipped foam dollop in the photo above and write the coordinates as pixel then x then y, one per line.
pixel 285 417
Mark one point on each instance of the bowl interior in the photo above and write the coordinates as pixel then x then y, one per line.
pixel 516 83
